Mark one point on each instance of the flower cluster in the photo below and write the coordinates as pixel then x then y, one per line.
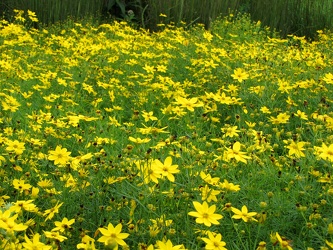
pixel 118 138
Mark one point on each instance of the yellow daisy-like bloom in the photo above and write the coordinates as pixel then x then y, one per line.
pixel 59 156
pixel 112 236
pixel 284 244
pixel 205 214
pixel 15 146
pixel 34 243
pixel 296 148
pixel 55 235
pixel 167 169
pixel 245 215
pixel 240 75
pixel 63 225
pixel 189 104
pixel 236 153
pixel 214 242
pixel 167 246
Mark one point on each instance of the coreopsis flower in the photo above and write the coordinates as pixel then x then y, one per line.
pixel 209 179
pixel 240 75
pixel 243 214
pixel 9 224
pixel 34 243
pixel 112 236
pixel 49 213
pixel 325 152
pixel 15 146
pixel 284 244
pixel 149 116
pixel 296 148
pixel 63 225
pixel 10 103
pixel 32 16
pixel 55 235
pixel 208 193
pixel 205 214
pixel 261 245
pixel 148 171
pixel 20 205
pixel 87 243
pixel 214 242
pixel 328 78
pixel 138 140
pixel 229 186
pixel 301 115
pixel 167 169
pixel 281 118
pixel 21 185
pixel 230 131
pixel 190 104
pixel 167 245
pixel 59 156
pixel 235 153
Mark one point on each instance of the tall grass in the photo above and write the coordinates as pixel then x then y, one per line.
pixel 52 11
pixel 178 11
pixel 299 17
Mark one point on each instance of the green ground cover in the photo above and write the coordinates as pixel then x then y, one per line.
pixel 181 139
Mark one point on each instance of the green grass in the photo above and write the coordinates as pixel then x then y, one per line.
pixel 88 111
pixel 54 11
pixel 300 17
pixel 189 12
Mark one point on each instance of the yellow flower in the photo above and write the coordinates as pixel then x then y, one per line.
pixel 25 205
pixel 63 225
pixel 52 211
pixel 148 171
pixel 112 236
pixel 86 243
pixel 8 223
pixel 330 244
pixel 167 169
pixel 301 115
pixel 34 243
pixel 325 152
pixel 138 140
pixel 167 246
pixel 55 235
pixel 244 214
pixel 148 116
pixel 214 242
pixel 284 244
pixel 59 156
pixel 205 214
pixel 296 148
pixel 209 179
pixel 240 75
pixel 236 153
pixel 15 146
pixel 282 118
pixel 328 78
pixel 190 104
pixel 261 245
pixel 229 186
pixel 208 193
pixel 230 131
pixel 21 185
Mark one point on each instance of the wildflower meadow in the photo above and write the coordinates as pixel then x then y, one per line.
pixel 119 138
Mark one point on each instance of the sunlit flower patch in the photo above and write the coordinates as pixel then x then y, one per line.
pixel 116 138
